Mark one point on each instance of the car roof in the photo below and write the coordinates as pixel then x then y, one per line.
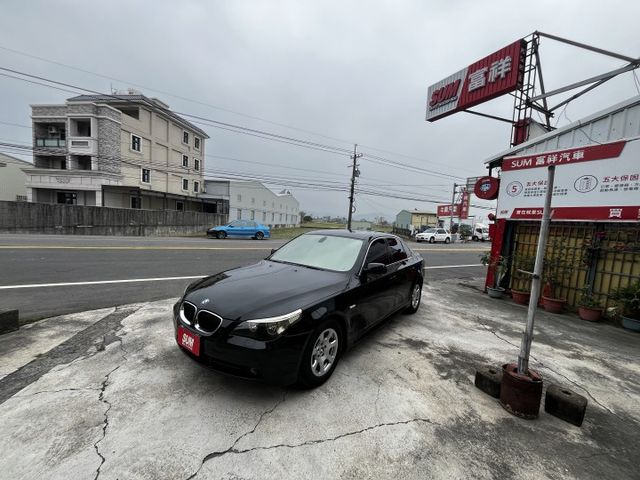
pixel 359 234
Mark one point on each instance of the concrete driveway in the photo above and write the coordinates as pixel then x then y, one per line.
pixel 108 395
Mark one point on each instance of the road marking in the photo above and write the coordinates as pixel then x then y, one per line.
pixel 452 266
pixel 156 279
pixel 100 282
pixel 113 247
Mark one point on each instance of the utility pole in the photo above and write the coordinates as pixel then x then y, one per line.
pixel 354 173
pixel 527 337
pixel 453 200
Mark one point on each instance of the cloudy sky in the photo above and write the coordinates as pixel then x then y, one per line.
pixel 330 72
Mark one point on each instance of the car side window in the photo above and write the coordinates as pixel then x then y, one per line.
pixel 235 223
pixel 377 253
pixel 441 231
pixel 396 252
pixel 253 224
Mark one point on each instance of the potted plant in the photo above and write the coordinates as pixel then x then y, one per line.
pixel 556 267
pixel 521 278
pixel 629 299
pixel 499 265
pixel 588 307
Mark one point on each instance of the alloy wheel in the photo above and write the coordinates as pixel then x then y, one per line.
pixel 415 296
pixel 325 352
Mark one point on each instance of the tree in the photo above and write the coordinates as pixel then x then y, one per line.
pixel 307 218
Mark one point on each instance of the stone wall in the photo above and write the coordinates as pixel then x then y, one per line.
pixel 38 218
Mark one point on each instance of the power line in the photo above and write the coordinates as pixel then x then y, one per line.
pixel 238 128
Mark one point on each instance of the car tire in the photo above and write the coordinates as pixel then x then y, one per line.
pixel 447 240
pixel 418 240
pixel 321 355
pixel 259 236
pixel 432 240
pixel 221 235
pixel 414 298
pixel 475 239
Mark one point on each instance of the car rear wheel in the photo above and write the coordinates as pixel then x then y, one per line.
pixel 416 296
pixel 259 236
pixel 321 355
pixel 221 235
pixel 432 240
pixel 475 239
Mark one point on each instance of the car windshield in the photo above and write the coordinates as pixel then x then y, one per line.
pixel 320 251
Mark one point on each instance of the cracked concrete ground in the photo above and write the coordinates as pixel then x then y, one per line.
pixel 401 404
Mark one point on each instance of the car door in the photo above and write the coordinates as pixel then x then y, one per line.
pixel 399 278
pixel 441 235
pixel 373 299
pixel 250 229
pixel 233 229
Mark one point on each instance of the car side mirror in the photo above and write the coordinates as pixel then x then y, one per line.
pixel 375 268
pixel 273 250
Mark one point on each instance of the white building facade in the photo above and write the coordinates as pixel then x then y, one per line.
pixel 13 178
pixel 253 201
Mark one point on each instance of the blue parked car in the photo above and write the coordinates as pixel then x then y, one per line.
pixel 240 229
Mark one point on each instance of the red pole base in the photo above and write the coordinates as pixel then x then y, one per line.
pixel 520 395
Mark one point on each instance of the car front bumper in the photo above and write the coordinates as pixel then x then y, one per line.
pixel 274 361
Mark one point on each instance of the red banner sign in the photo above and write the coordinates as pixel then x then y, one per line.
pixel 496 74
pixel 445 210
pixel 563 157
pixel 464 206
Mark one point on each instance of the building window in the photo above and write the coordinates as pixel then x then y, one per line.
pixel 264 203
pixel 280 218
pixel 68 198
pixel 253 214
pixel 239 197
pixel 185 161
pixel 272 216
pixel 253 201
pixel 196 164
pixel 185 137
pixel 239 216
pixel 145 176
pixel 196 143
pixel 136 202
pixel 185 184
pixel 136 143
pixel 196 187
pixel 264 216
pixel 180 206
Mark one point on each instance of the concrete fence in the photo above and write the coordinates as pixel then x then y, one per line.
pixel 23 217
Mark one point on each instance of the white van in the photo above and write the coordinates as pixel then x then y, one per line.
pixel 480 233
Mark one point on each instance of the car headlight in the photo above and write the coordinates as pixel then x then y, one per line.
pixel 268 328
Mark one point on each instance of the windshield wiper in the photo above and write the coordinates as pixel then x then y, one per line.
pixel 298 264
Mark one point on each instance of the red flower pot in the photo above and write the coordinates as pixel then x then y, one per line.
pixel 520 297
pixel 553 305
pixel 590 314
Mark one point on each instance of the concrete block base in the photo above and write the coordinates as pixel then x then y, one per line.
pixel 9 321
pixel 565 404
pixel 488 380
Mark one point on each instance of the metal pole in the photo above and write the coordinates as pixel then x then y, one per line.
pixel 525 346
pixel 353 184
pixel 453 199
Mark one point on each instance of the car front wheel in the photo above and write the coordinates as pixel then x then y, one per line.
pixel 416 296
pixel 432 240
pixel 221 235
pixel 447 240
pixel 321 355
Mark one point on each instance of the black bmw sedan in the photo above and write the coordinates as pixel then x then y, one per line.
pixel 288 318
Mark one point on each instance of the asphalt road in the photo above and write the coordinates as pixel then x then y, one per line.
pixel 39 268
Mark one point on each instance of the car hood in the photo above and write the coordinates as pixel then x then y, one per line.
pixel 264 289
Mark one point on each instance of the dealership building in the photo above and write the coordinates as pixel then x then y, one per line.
pixel 595 229
pixel 594 240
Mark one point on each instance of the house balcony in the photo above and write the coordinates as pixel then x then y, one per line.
pixel 51 142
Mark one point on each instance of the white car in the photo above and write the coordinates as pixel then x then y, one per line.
pixel 433 235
